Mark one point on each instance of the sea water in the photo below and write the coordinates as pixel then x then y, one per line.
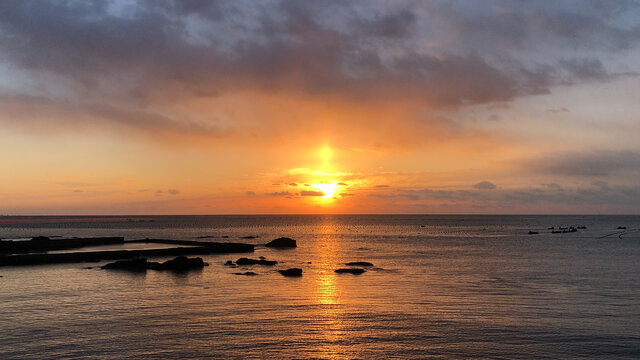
pixel 441 287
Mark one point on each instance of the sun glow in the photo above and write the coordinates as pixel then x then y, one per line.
pixel 329 189
pixel 325 154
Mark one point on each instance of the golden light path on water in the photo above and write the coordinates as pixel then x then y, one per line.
pixel 328 294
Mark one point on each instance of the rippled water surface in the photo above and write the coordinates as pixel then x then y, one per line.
pixel 441 287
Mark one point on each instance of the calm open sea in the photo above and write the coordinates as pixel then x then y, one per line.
pixel 442 287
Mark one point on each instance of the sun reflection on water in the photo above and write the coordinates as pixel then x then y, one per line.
pixel 329 296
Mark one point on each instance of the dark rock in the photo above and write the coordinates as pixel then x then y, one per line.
pixel 136 264
pixel 551 228
pixel 249 237
pixel 40 239
pixel 350 271
pixel 582 227
pixel 261 257
pixel 359 263
pixel 282 242
pixel 556 232
pixel 533 232
pixel 229 263
pixel 248 273
pixel 291 272
pixel 246 261
pixel 622 228
pixel 180 263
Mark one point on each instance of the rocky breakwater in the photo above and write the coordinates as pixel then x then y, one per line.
pixel 178 264
pixel 44 243
pixel 191 248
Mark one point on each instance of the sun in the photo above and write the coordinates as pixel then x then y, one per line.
pixel 329 189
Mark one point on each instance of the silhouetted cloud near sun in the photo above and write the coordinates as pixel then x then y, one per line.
pixel 312 193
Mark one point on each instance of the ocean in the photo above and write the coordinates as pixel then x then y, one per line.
pixel 441 287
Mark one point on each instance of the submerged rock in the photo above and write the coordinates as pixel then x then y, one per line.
pixel 246 261
pixel 350 271
pixel 359 263
pixel 247 273
pixel 291 272
pixel 136 264
pixel 180 263
pixel 282 242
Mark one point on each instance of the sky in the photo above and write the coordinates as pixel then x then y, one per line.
pixel 307 107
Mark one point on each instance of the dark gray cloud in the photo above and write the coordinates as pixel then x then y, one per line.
pixel 484 185
pixel 558 110
pixel 312 193
pixel 396 25
pixel 121 61
pixel 281 193
pixel 523 24
pixel 581 164
pixel 615 196
pixel 37 111
pixel 584 68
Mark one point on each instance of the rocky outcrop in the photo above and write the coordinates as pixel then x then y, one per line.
pixel 282 242
pixel 293 272
pixel 180 263
pixel 247 273
pixel 359 263
pixel 246 261
pixel 136 264
pixel 354 271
